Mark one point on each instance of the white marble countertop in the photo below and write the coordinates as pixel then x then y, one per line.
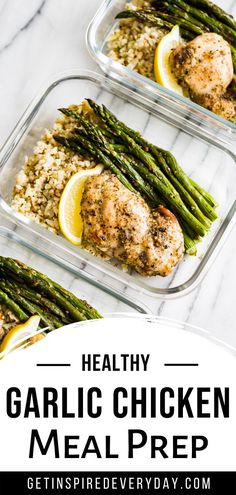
pixel 42 37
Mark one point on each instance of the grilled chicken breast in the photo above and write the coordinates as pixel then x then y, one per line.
pixel 119 224
pixel 204 66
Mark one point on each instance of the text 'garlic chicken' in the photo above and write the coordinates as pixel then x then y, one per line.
pixel 119 224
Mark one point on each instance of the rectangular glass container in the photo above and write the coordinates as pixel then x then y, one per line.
pixel 206 159
pixel 103 24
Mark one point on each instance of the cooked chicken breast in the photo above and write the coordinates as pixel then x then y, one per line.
pixel 224 106
pixel 119 224
pixel 204 67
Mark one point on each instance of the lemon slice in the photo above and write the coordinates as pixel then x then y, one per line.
pixel 70 219
pixel 19 333
pixel 162 68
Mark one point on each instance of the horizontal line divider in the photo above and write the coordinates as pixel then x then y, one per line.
pixel 53 364
pixel 181 364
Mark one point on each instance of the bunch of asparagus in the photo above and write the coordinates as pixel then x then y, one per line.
pixel 194 17
pixel 143 168
pixel 27 292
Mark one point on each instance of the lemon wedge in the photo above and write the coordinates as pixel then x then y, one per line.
pixel 162 68
pixel 19 333
pixel 70 219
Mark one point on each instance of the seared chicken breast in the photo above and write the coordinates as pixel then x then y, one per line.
pixel 224 106
pixel 119 224
pixel 204 67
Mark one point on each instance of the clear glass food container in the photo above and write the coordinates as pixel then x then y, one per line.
pixel 206 160
pixel 99 30
pixel 16 244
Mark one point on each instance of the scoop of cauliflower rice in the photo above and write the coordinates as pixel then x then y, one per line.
pixel 133 44
pixel 45 173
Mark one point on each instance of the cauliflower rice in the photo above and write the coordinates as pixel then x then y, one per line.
pixel 133 44
pixel 41 181
pixel 7 321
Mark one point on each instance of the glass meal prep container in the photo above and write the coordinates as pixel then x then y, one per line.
pixel 206 160
pixel 16 244
pixel 99 30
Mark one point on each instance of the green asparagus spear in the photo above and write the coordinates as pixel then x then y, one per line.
pixel 182 177
pixel 176 169
pixel 142 16
pixel 123 163
pixel 40 300
pixel 207 209
pixel 216 26
pixel 103 134
pixel 48 320
pixel 190 239
pixel 14 307
pixel 88 310
pixel 189 245
pixel 93 132
pixel 121 148
pixel 78 310
pixel 186 197
pixel 74 145
pixel 131 136
pixel 36 280
pixel 124 150
pixel 209 8
pixel 166 20
pixel 164 7
pixel 186 34
pixel 152 19
pixel 177 206
pixel 216 11
pixel 134 147
pixel 85 308
pixel 207 196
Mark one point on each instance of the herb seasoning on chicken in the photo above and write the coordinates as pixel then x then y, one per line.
pixel 204 66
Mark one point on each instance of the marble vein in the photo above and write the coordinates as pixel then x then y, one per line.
pixel 24 27
pixel 192 305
